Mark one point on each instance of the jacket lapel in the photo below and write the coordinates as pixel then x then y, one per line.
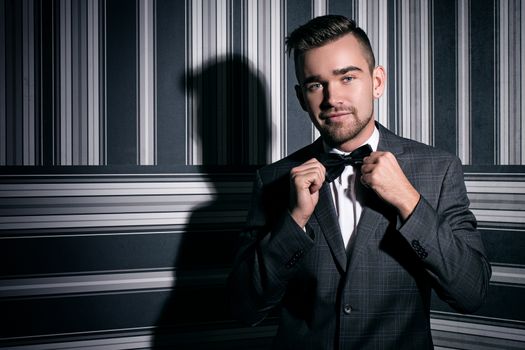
pixel 324 213
pixel 327 219
pixel 372 223
pixel 376 214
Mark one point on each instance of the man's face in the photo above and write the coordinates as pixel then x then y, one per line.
pixel 337 90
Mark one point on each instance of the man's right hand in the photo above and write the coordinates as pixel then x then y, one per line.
pixel 305 182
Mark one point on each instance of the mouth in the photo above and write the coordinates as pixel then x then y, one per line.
pixel 334 117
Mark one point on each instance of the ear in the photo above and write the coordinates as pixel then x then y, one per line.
pixel 379 81
pixel 300 97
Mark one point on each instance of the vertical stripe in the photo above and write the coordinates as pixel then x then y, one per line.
pixel 3 87
pixel 79 88
pixel 28 76
pixel 425 112
pixel 47 83
pixel 221 39
pixel 362 18
pixel 210 86
pixel 14 83
pixel 251 52
pixel 146 83
pixel 463 83
pixel 224 89
pixel 504 82
pixel 515 87
pixel 509 89
pixel 372 17
pixel 521 97
pixel 195 48
pixel 257 20
pixel 94 112
pixel 209 134
pixel 65 84
pixel 74 48
pixel 99 115
pixel 82 85
pixel 91 81
pixel 276 84
pixel 415 113
pixel 393 72
pixel 265 51
pixel 319 8
pixel 382 55
pixel 405 67
pixel 415 65
pixel 103 85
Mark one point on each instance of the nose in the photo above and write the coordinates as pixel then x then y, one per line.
pixel 331 97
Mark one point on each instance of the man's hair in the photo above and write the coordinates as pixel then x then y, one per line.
pixel 324 29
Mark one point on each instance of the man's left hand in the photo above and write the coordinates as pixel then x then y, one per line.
pixel 382 173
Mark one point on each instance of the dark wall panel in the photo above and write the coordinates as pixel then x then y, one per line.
pixel 504 246
pixel 14 80
pixel 121 82
pixel 445 74
pixel 171 80
pixel 482 71
pixel 110 251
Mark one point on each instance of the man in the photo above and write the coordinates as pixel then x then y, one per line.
pixel 351 261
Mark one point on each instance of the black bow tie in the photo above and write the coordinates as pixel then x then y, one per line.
pixel 335 163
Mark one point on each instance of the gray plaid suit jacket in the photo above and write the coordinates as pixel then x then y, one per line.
pixel 376 295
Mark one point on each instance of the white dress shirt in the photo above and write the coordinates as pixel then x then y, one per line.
pixel 343 189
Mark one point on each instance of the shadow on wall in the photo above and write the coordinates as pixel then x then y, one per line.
pixel 232 122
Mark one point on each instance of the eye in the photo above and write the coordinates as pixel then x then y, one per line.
pixel 347 79
pixel 311 87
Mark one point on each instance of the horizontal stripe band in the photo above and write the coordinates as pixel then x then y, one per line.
pixel 97 283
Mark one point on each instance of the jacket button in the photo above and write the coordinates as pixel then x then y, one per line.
pixel 347 309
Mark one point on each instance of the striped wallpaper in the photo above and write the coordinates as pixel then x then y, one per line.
pixel 139 125
pixel 87 82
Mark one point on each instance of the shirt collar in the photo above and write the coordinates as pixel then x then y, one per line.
pixel 373 141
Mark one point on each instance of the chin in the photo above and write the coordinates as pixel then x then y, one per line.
pixel 338 136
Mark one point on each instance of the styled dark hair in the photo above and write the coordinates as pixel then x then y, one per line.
pixel 324 29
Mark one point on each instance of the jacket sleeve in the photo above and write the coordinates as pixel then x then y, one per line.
pixel 267 257
pixel 448 244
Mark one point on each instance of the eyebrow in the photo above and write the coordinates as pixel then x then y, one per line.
pixel 311 79
pixel 345 70
pixel 339 71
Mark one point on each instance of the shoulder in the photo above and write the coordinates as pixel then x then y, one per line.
pixel 414 151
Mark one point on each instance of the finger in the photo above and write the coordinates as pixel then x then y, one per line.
pixel 307 175
pixel 308 165
pixel 371 159
pixel 364 181
pixel 306 178
pixel 313 165
pixel 374 156
pixel 313 180
pixel 316 184
pixel 367 168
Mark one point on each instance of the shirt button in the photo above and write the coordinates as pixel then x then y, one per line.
pixel 347 309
